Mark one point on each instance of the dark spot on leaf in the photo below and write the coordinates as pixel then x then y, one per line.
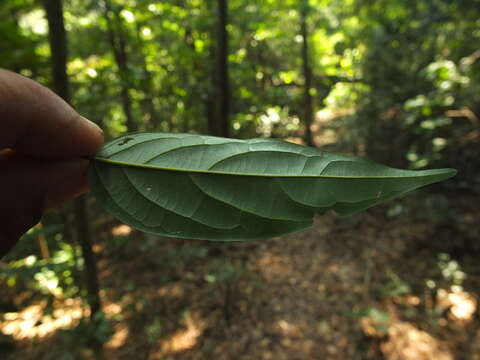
pixel 124 141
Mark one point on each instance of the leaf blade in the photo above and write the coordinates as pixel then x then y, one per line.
pixel 203 187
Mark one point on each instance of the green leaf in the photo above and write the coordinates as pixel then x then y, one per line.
pixel 204 187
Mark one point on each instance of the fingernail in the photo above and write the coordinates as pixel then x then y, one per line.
pixel 93 125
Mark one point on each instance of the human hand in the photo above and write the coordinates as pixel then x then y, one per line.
pixel 43 146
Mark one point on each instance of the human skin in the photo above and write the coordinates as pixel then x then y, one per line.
pixel 44 146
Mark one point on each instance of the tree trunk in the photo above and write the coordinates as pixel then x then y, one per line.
pixel 147 104
pixel 307 73
pixel 209 104
pixel 119 48
pixel 59 53
pixel 84 236
pixel 220 124
pixel 58 47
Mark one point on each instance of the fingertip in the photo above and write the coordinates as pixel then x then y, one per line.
pixel 93 136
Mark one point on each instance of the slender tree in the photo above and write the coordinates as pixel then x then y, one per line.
pixel 307 73
pixel 58 47
pixel 147 105
pixel 118 43
pixel 219 124
pixel 59 55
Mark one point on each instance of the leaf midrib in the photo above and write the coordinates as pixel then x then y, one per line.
pixel 155 167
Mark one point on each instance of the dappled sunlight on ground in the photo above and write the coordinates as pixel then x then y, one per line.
pixel 411 300
pixel 462 305
pixel 121 230
pixel 274 265
pixel 406 342
pixel 120 331
pixel 119 337
pixel 345 289
pixel 174 290
pixel 181 340
pixel 31 322
pixel 112 309
pixel 288 328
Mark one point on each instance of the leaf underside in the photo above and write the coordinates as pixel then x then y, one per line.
pixel 204 187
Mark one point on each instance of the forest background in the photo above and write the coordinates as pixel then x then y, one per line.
pixel 395 81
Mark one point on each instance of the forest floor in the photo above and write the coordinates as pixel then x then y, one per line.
pixel 390 283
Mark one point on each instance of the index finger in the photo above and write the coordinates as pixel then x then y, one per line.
pixel 37 122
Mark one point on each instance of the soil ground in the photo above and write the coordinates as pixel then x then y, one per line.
pixel 390 283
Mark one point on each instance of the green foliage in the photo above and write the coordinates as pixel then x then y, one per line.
pixel 204 187
pixel 395 286
pixel 153 331
pixel 53 277
pixel 222 271
pixel 380 319
pixel 418 66
pixel 451 270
